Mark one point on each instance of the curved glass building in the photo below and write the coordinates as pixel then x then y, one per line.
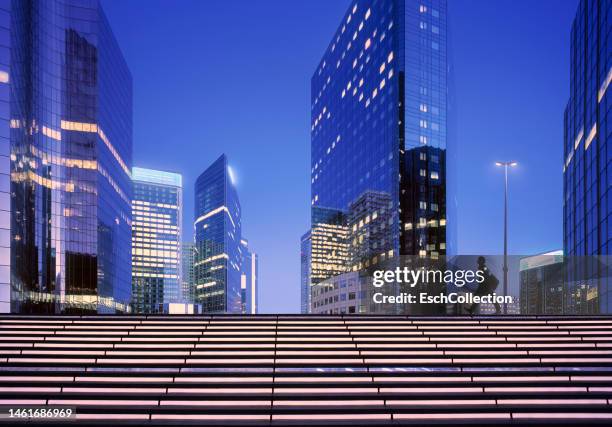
pixel 587 168
pixel 66 123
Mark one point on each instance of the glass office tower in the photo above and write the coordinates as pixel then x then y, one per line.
pixel 541 283
pixel 305 254
pixel 156 240
pixel 187 274
pixel 249 279
pixel 5 159
pixel 587 171
pixel 218 258
pixel 68 128
pixel 329 246
pixel 379 107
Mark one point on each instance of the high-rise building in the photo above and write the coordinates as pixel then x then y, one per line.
pixel 369 229
pixel 249 279
pixel 305 253
pixel 379 132
pixel 157 208
pixel 587 171
pixel 187 272
pixel 65 160
pixel 329 246
pixel 5 159
pixel 218 259
pixel 541 283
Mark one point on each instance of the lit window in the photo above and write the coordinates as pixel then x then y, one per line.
pixel 382 68
pixel 368 42
pixel 422 8
pixel 434 175
pixel 390 57
pixel 367 15
pixel 590 136
pixel 604 86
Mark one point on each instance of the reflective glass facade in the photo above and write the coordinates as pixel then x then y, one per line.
pixel 5 155
pixel 217 266
pixel 156 240
pixel 329 246
pixel 370 229
pixel 249 279
pixel 70 158
pixel 187 274
pixel 379 107
pixel 541 284
pixel 587 169
pixel 305 252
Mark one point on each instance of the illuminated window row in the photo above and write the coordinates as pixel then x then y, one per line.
pixel 94 128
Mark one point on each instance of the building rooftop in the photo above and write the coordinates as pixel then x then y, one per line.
pixel 157 177
pixel 306 370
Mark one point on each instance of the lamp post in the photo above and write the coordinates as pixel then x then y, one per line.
pixel 505 166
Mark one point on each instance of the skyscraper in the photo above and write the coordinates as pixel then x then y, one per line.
pixel 187 273
pixel 305 254
pixel 157 209
pixel 379 112
pixel 249 279
pixel 541 284
pixel 66 144
pixel 587 171
pixel 218 259
pixel 329 254
pixel 369 228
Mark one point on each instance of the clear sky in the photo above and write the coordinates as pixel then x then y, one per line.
pixel 233 76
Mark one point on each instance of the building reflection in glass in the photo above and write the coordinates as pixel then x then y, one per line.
pixel 71 154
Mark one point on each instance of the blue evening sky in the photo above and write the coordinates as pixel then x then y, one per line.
pixel 233 76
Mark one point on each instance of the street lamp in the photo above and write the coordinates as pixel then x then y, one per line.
pixel 505 166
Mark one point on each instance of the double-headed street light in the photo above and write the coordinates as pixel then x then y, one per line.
pixel 505 166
